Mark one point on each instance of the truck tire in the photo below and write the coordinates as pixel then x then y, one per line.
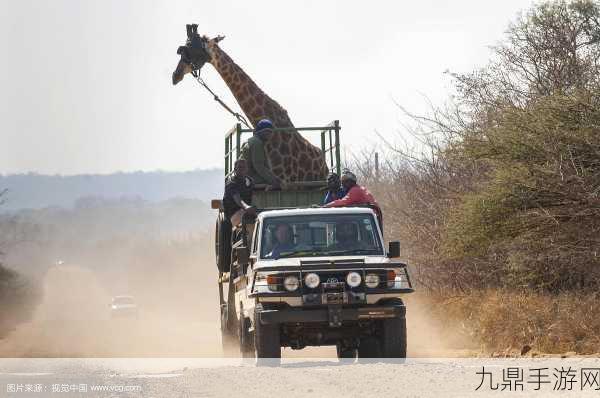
pixel 345 354
pixel 266 340
pixel 228 339
pixel 246 341
pixel 229 323
pixel 369 347
pixel 393 338
pixel 222 242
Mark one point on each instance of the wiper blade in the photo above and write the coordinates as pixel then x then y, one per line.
pixel 306 253
pixel 351 251
pixel 296 253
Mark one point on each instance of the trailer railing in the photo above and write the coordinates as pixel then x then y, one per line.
pixel 330 145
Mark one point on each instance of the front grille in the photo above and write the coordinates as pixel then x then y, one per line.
pixel 312 264
pixel 331 280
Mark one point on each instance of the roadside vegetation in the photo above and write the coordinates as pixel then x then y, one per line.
pixel 498 206
pixel 18 294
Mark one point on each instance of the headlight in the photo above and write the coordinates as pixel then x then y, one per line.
pixel 267 282
pixel 291 283
pixel 391 278
pixel 312 280
pixel 372 280
pixel 353 279
pixel 273 282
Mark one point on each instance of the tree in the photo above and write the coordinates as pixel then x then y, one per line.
pixel 511 171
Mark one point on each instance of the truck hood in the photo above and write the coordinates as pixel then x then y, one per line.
pixel 295 261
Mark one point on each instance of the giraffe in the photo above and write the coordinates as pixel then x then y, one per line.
pixel 291 157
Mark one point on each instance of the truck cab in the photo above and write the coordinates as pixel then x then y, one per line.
pixel 299 275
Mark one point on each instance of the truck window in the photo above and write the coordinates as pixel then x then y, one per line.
pixel 254 238
pixel 320 235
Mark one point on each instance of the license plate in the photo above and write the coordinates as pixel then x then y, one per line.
pixel 333 285
pixel 335 298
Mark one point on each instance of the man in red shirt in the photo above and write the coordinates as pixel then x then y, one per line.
pixel 356 195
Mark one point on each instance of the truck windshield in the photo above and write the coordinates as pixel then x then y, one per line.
pixel 320 235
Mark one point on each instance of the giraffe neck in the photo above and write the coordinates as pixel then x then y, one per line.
pixel 254 102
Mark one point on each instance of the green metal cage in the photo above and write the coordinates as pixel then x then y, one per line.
pixel 330 143
pixel 299 194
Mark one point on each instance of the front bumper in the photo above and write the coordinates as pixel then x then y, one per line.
pixel 334 315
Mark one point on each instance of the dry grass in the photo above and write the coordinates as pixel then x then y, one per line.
pixel 508 321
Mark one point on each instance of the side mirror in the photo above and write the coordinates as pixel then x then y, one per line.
pixel 216 204
pixel 394 249
pixel 243 255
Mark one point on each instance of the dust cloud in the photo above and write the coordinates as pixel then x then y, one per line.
pixel 175 289
pixel 177 318
pixel 431 336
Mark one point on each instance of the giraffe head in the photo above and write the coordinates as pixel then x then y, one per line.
pixel 194 54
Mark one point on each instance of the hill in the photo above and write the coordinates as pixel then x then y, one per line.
pixel 36 191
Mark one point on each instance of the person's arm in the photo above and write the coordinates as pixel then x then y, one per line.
pixel 257 154
pixel 352 197
pixel 238 201
pixel 237 198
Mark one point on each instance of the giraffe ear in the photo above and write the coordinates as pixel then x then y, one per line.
pixel 218 38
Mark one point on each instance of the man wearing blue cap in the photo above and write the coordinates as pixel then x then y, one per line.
pixel 254 153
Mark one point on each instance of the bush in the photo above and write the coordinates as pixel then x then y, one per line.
pixel 505 189
pixel 19 297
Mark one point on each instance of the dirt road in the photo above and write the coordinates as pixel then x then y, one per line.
pixel 73 321
pixel 295 378
pixel 177 353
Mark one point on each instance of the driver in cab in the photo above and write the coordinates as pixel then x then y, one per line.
pixel 284 241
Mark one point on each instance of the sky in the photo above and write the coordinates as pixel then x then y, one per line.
pixel 86 85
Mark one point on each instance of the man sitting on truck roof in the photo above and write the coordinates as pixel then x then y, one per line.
pixel 334 188
pixel 254 153
pixel 237 199
pixel 356 195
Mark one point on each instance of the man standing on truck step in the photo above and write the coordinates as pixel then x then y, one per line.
pixel 334 188
pixel 356 195
pixel 254 153
pixel 237 199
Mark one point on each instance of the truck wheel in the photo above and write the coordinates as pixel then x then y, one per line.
pixel 266 340
pixel 345 354
pixel 229 323
pixel 393 338
pixel 245 338
pixel 223 242
pixel 228 339
pixel 369 347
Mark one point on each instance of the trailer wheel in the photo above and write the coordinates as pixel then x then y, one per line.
pixel 266 340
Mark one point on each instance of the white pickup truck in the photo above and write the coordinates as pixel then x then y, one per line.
pixel 315 277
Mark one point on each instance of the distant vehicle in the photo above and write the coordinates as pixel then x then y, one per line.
pixel 123 307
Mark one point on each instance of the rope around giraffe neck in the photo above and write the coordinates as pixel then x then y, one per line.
pixel 240 118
